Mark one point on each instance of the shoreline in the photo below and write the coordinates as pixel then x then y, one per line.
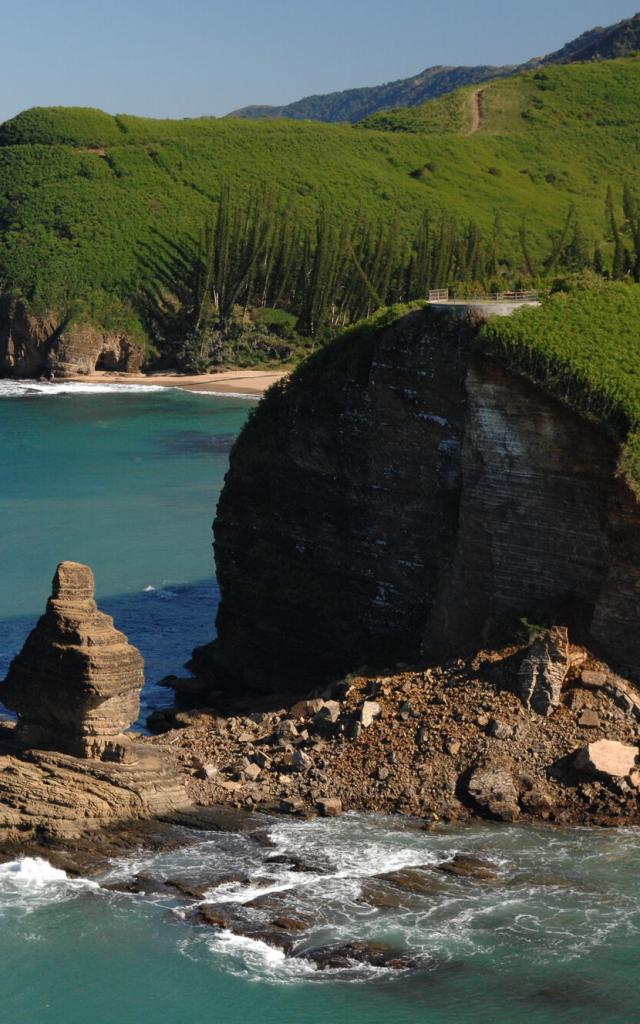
pixel 228 382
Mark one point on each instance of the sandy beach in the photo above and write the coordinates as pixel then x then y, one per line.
pixel 247 382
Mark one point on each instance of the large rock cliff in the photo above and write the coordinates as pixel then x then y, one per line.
pixel 31 345
pixel 404 497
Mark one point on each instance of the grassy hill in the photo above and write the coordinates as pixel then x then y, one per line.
pixel 352 105
pixel 96 208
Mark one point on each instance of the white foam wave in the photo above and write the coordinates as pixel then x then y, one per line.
pixel 28 883
pixel 34 388
pixel 223 394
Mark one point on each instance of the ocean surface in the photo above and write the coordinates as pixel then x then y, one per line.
pixel 127 480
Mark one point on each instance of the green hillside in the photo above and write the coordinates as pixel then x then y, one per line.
pixel 95 208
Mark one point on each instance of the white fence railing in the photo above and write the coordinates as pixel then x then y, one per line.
pixel 442 295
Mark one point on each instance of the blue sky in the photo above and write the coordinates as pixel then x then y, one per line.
pixel 183 58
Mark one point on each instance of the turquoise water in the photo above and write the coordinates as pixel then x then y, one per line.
pixel 127 481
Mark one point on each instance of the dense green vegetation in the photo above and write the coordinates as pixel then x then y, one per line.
pixel 620 40
pixel 583 347
pixel 118 219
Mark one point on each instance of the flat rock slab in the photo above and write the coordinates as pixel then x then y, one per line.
pixel 607 759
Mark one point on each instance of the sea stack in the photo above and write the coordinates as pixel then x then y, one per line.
pixel 76 683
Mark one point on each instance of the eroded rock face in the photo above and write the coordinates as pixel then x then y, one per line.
pixel 76 683
pixel 413 500
pixel 338 515
pixel 31 345
pixel 543 671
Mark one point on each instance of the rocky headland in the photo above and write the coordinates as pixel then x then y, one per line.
pixel 429 576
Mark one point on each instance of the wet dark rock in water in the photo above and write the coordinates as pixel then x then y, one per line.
pixel 144 885
pixel 371 953
pixel 383 897
pixel 466 865
pixel 290 924
pixel 419 881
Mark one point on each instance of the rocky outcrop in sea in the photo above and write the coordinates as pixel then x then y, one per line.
pixel 67 765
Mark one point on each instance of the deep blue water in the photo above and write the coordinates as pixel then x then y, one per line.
pixel 127 481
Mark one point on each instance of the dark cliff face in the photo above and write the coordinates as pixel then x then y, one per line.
pixel 403 498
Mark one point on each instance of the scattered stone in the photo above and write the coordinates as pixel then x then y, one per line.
pixel 536 800
pixel 292 805
pixel 493 792
pixel 382 774
pixel 500 730
pixel 208 771
pixel 354 729
pixel 329 713
pixel 286 730
pixel 607 759
pixel 593 679
pixel 230 786
pixel 306 708
pixel 329 807
pixel 369 711
pixel 252 772
pixel 452 747
pixel 483 720
pixel 422 736
pixel 301 761
pixel 589 719
pixel 544 670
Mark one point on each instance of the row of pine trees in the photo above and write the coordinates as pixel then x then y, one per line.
pixel 260 253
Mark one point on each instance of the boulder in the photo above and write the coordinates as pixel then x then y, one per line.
pixel 467 865
pixel 493 791
pixel 329 807
pixel 589 719
pixel 544 670
pixel 75 684
pixel 607 759
pixel 500 730
pixel 328 713
pixel 369 711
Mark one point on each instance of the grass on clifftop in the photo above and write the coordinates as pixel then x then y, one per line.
pixel 582 347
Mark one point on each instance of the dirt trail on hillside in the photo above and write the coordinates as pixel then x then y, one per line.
pixel 477 111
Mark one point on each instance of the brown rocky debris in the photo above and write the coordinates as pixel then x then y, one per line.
pixel 76 682
pixel 607 759
pixel 544 670
pixel 493 791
